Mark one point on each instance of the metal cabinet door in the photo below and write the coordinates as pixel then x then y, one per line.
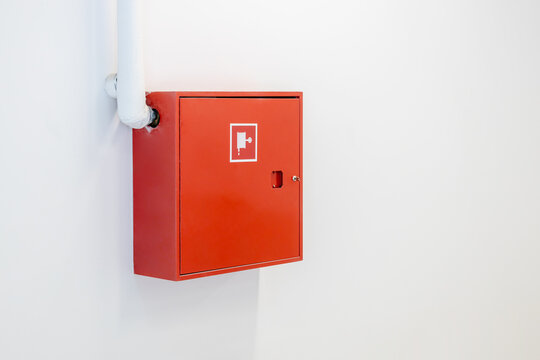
pixel 234 209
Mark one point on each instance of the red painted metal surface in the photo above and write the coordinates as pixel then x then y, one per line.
pixel 197 210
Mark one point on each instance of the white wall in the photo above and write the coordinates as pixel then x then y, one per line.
pixel 422 182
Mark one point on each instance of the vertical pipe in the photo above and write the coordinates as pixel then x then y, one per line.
pixel 130 90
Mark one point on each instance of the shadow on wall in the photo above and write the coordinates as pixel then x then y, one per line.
pixel 214 317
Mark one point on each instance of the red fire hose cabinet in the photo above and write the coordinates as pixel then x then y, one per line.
pixel 217 185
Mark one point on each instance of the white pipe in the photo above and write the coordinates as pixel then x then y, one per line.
pixel 128 84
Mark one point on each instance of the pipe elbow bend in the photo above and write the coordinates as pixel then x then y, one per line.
pixel 137 120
